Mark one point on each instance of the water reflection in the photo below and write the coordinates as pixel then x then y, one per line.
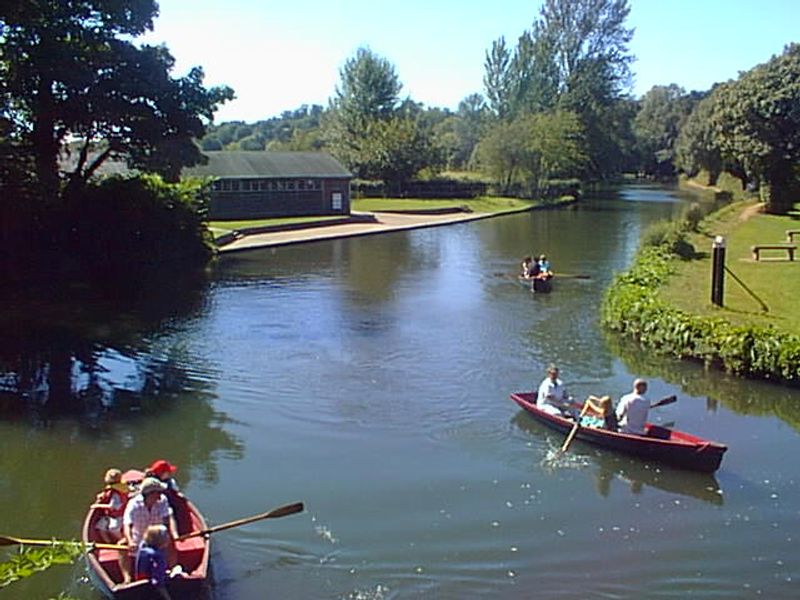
pixel 633 474
pixel 742 396
pixel 83 350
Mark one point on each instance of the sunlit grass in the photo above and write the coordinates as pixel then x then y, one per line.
pixel 482 204
pixel 773 281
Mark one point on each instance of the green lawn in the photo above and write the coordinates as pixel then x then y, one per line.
pixel 774 279
pixel 482 204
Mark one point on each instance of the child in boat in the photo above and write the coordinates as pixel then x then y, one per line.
pixel 151 561
pixel 544 267
pixel 600 413
pixel 164 471
pixel 111 504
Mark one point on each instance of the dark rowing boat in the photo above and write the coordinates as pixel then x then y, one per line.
pixel 540 285
pixel 193 555
pixel 660 444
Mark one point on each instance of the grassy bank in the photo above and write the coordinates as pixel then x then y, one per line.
pixel 664 301
pixel 763 293
pixel 482 204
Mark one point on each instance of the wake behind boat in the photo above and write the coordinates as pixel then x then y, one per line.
pixel 668 446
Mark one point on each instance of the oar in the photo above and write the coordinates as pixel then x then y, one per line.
pixel 558 275
pixel 12 541
pixel 665 401
pixel 575 428
pixel 281 511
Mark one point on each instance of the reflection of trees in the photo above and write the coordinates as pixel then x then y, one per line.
pixel 740 395
pixel 81 350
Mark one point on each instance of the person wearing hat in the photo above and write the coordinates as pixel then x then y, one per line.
pixel 110 504
pixel 148 507
pixel 553 397
pixel 633 408
pixel 164 471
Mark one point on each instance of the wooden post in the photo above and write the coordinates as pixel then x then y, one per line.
pixel 718 270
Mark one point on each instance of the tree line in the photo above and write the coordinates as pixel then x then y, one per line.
pixel 555 104
pixel 77 92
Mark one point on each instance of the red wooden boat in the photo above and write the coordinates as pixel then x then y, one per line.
pixel 193 555
pixel 664 445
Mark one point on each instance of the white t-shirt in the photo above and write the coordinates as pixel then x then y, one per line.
pixel 632 413
pixel 552 395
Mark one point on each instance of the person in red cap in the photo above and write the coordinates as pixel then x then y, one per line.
pixel 164 470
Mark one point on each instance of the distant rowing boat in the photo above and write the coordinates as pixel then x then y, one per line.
pixel 669 446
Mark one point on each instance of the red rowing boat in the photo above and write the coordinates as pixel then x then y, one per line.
pixel 668 446
pixel 193 555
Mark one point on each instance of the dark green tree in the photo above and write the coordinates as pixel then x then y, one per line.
pixel 663 111
pixel 75 83
pixel 756 124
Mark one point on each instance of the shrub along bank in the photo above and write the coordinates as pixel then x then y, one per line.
pixel 635 306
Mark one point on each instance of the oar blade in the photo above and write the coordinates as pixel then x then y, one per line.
pixel 284 511
pixel 664 401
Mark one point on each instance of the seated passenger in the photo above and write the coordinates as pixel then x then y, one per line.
pixel 525 271
pixel 544 267
pixel 111 505
pixel 151 562
pixel 552 397
pixel 600 413
pixel 164 471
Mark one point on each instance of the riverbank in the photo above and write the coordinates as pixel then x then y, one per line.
pixel 362 223
pixel 664 301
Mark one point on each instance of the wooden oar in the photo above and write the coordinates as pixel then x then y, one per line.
pixel 571 276
pixel 12 541
pixel 575 428
pixel 281 511
pixel 665 401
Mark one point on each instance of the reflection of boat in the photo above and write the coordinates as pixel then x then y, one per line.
pixel 638 474
pixel 193 555
pixel 540 285
pixel 659 443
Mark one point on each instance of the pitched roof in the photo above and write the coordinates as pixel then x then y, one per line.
pixel 249 164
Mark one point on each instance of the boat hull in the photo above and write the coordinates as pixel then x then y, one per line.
pixel 538 285
pixel 193 556
pixel 668 446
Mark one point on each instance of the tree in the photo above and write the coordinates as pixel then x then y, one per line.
pixel 71 72
pixel 662 113
pixel 574 58
pixel 756 123
pixel 695 148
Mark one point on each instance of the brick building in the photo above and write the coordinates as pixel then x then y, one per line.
pixel 260 184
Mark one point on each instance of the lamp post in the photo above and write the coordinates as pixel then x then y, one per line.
pixel 718 270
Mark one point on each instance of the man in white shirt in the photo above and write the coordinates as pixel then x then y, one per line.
pixel 553 397
pixel 632 409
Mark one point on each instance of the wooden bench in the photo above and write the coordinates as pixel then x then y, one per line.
pixel 758 248
pixel 790 233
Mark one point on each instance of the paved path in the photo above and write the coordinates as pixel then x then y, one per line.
pixel 384 222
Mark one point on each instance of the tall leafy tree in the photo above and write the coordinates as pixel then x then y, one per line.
pixel 73 80
pixel 756 123
pixel 662 113
pixel 695 148
pixel 367 126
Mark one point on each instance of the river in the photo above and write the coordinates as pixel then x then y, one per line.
pixel 369 378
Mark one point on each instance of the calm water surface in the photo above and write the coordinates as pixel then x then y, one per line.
pixel 369 378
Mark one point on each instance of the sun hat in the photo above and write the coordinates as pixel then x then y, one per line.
pixel 112 476
pixel 151 484
pixel 161 466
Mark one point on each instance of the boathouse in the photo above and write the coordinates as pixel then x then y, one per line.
pixel 261 184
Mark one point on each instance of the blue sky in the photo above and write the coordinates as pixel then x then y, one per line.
pixel 280 54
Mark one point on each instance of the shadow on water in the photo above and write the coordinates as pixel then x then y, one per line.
pixel 635 474
pixel 82 350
